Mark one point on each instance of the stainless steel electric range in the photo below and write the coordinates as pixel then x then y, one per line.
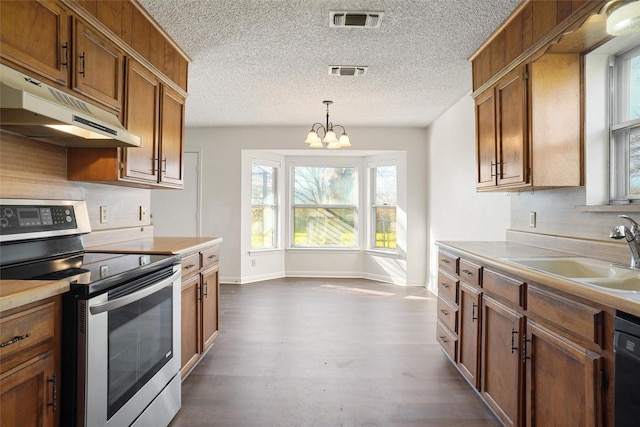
pixel 121 321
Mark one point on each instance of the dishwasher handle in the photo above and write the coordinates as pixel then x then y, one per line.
pixel 136 296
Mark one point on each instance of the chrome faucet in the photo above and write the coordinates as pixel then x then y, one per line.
pixel 632 236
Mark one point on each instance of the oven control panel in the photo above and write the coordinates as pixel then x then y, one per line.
pixel 18 219
pixel 27 219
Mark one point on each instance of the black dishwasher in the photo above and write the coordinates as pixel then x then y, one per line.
pixel 627 377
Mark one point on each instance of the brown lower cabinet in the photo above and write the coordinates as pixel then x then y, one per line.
pixel 200 296
pixel 30 364
pixel 542 357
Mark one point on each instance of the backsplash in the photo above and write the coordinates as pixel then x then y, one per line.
pixel 35 170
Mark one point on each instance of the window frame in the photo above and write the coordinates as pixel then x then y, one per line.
pixel 324 163
pixel 274 206
pixel 620 126
pixel 373 191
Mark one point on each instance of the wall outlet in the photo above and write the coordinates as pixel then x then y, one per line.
pixel 104 214
pixel 143 213
pixel 253 263
pixel 532 219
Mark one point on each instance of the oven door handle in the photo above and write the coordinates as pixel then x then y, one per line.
pixel 128 299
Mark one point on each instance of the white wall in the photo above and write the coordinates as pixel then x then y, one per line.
pixel 222 148
pixel 456 211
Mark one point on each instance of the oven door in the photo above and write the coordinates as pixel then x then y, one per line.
pixel 128 350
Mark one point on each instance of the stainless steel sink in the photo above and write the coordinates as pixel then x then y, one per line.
pixel 589 271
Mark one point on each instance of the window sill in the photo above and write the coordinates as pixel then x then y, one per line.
pixel 324 250
pixel 609 208
pixel 258 252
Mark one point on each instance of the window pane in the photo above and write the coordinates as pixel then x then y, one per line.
pixel 324 227
pixel 262 185
pixel 385 218
pixel 386 187
pixel 634 88
pixel 262 229
pixel 634 162
pixel 324 186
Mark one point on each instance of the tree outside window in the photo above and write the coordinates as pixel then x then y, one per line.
pixel 324 206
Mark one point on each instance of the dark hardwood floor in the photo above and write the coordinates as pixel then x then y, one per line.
pixel 327 352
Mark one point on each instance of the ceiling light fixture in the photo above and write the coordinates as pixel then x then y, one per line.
pixel 329 139
pixel 623 17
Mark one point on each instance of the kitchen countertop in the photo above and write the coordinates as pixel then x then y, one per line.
pixel 489 254
pixel 16 293
pixel 159 245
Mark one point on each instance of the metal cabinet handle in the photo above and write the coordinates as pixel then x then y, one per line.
pixel 164 166
pixel 514 348
pixel 524 349
pixel 445 261
pixel 65 63
pixel 212 257
pixel 205 290
pixel 82 70
pixel 190 266
pixel 444 285
pixel 445 312
pixel 473 312
pixel 15 339
pixel 444 339
pixel 54 393
pixel 470 273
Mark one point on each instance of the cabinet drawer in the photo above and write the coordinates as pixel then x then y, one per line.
pixel 470 273
pixel 448 287
pixel 26 329
pixel 447 340
pixel 447 314
pixel 190 265
pixel 448 262
pixel 210 256
pixel 582 320
pixel 503 287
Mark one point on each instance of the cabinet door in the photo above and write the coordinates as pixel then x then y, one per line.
pixel 28 396
pixel 469 330
pixel 171 137
pixel 502 376
pixel 97 67
pixel 209 307
pixel 486 140
pixel 35 35
pixel 562 386
pixel 190 316
pixel 513 146
pixel 141 118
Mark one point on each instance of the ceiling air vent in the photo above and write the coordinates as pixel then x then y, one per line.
pixel 355 19
pixel 347 70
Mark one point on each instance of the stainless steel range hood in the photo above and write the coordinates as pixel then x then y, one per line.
pixel 36 110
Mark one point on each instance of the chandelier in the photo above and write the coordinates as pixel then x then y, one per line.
pixel 329 138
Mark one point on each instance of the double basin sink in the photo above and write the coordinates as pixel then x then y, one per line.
pixel 588 271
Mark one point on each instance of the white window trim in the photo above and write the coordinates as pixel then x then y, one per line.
pixel 371 167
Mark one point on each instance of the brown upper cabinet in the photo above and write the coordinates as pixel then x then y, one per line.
pixel 528 98
pixel 44 50
pixel 113 55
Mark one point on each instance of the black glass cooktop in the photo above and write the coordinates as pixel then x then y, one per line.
pixel 91 273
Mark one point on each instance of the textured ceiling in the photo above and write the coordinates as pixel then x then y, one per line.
pixel 265 62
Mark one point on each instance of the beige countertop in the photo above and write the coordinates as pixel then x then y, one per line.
pixel 16 293
pixel 159 245
pixel 489 254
